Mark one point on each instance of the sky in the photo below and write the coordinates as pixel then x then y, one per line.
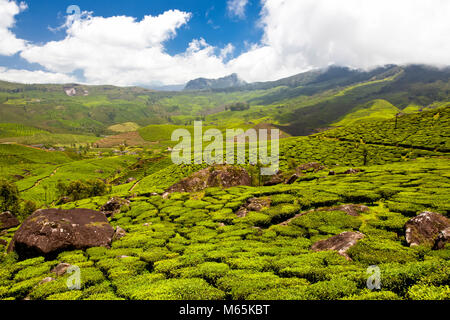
pixel 167 42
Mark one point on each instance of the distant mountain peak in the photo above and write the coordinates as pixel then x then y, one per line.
pixel 230 81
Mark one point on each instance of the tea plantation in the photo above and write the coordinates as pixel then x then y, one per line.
pixel 195 245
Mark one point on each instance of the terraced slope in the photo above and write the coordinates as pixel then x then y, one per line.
pixel 254 242
pixel 196 247
pixel 427 130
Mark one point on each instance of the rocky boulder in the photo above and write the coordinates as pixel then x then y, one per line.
pixel 224 176
pixel 114 206
pixel 129 180
pixel 8 220
pixel 340 243
pixel 253 204
pixel 119 233
pixel 350 209
pixel 61 269
pixel 352 171
pixel 276 179
pixel 311 166
pixel 425 229
pixel 442 239
pixel 282 177
pixel 292 179
pixel 51 231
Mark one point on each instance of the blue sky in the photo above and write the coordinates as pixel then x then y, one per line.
pixel 156 42
pixel 210 20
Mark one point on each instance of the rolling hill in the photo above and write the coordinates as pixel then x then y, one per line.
pixel 299 105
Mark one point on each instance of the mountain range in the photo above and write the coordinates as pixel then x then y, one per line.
pixel 231 81
pixel 299 105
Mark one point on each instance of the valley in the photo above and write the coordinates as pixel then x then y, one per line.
pixel 363 155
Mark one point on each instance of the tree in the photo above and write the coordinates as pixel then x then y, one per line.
pixel 238 106
pixel 81 189
pixel 365 153
pixel 61 187
pixel 9 196
pixel 45 187
pixel 98 188
pixel 27 208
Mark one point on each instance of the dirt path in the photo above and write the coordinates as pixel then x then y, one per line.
pixel 38 182
pixel 134 186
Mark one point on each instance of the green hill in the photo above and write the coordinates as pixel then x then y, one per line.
pixel 17 130
pixel 373 110
pixel 427 130
pixel 300 104
pixel 387 162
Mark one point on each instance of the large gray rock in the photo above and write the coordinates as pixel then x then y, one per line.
pixel 51 231
pixel 424 229
pixel 340 243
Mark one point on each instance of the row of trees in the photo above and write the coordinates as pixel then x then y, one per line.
pixel 238 106
pixel 82 189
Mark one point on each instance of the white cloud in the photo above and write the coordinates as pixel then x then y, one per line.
pixel 226 51
pixel 237 8
pixel 123 51
pixel 298 35
pixel 9 44
pixel 25 76
pixel 361 33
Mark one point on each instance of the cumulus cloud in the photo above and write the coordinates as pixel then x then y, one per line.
pixel 300 35
pixel 9 44
pixel 236 8
pixel 226 51
pixel 26 76
pixel 123 51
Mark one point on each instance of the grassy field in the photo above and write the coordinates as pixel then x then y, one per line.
pixel 124 127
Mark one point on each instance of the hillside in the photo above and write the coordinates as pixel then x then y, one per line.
pixel 373 110
pixel 367 177
pixel 299 105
